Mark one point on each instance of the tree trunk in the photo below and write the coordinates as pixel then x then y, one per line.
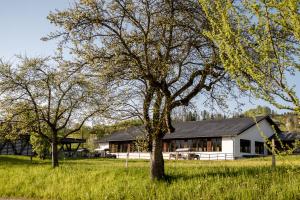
pixel 157 169
pixel 273 154
pixel 54 152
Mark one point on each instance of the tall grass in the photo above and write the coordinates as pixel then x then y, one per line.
pixel 109 179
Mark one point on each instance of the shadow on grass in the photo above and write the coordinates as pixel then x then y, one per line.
pixel 22 160
pixel 228 173
pixel 25 160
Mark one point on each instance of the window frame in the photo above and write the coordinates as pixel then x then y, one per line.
pixel 245 149
pixel 260 151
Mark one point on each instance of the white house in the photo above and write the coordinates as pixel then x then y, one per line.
pixel 209 139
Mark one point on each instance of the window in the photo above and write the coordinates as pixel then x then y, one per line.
pixel 179 144
pixel 216 144
pixel 172 146
pixel 259 148
pixel 202 144
pixel 121 147
pixel 185 144
pixel 113 148
pixel 245 146
pixel 197 144
pixel 169 146
pixel 194 145
pixel 165 147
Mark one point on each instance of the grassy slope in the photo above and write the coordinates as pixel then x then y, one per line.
pixel 108 179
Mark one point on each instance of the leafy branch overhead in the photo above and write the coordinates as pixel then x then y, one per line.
pixel 259 46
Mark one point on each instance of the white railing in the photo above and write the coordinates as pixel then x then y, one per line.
pixel 166 155
pixel 215 156
pixel 133 155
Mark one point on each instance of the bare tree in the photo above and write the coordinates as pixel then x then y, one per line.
pixel 38 96
pixel 154 49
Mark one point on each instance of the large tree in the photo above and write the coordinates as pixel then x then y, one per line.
pixel 153 49
pixel 39 96
pixel 259 45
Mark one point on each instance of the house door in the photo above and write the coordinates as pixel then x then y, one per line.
pixel 209 145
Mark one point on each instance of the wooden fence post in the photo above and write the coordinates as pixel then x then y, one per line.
pixel 127 156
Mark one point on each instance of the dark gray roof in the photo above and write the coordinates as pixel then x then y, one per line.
pixel 289 136
pixel 128 134
pixel 212 128
pixel 194 129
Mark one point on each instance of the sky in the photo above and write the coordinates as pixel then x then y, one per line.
pixel 24 22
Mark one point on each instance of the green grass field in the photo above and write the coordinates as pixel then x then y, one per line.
pixel 109 179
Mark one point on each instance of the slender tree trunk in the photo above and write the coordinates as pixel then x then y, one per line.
pixel 273 154
pixel 157 169
pixel 54 151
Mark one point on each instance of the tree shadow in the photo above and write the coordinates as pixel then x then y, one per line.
pixel 21 160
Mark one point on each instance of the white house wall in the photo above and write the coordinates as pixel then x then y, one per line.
pixel 256 133
pixel 102 146
pixel 227 145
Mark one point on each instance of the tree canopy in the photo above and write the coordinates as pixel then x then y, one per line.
pixel 258 42
pixel 155 50
pixel 39 96
pixel 259 110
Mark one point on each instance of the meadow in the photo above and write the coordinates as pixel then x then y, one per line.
pixel 109 179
